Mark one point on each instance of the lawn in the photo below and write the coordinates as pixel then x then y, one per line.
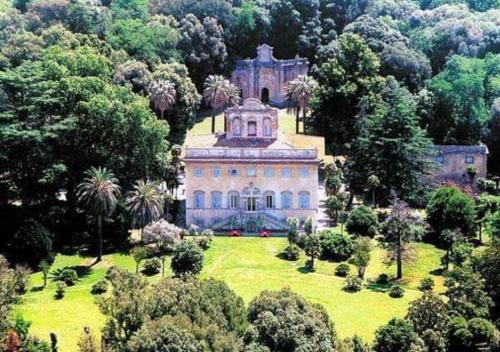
pixel 248 265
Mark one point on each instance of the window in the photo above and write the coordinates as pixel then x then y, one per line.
pixel 252 128
pixel 198 172
pixel 286 172
pixel 216 199
pixel 304 172
pixel 233 200
pixel 268 172
pixel 269 200
pixel 233 172
pixel 236 126
pixel 304 200
pixel 286 200
pixel 469 159
pixel 267 127
pixel 440 159
pixel 252 172
pixel 216 172
pixel 199 199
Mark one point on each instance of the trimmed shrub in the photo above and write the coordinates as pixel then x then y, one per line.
pixel 336 246
pixel 353 284
pixel 427 284
pixel 111 272
pixel 60 290
pixel 204 241
pixel 383 279
pixel 68 276
pixel 152 266
pixel 362 221
pixel 292 252
pixel 396 291
pixel 99 287
pixel 187 258
pixel 342 270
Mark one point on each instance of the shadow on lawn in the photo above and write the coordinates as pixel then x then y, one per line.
pixel 81 271
pixel 375 287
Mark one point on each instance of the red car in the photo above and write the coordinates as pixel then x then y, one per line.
pixel 234 233
pixel 265 233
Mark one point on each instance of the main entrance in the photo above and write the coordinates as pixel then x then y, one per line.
pixel 251 204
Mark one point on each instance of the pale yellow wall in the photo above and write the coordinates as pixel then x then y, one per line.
pixel 226 183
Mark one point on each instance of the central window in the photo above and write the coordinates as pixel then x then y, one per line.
pixel 252 128
pixel 251 204
pixel 252 172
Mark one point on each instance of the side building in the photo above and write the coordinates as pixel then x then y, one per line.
pixel 266 77
pixel 251 177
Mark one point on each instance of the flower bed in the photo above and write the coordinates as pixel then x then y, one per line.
pixel 234 233
pixel 265 233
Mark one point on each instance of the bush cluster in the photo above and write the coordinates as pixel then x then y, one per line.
pixel 336 246
pixel 99 287
pixel 292 252
pixel 342 270
pixel 362 221
pixel 396 291
pixel 152 266
pixel 353 284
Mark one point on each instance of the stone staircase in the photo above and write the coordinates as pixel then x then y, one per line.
pixel 251 222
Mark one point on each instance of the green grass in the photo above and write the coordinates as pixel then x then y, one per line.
pixel 249 266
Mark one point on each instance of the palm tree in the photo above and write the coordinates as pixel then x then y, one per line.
pixel 163 95
pixel 298 94
pixel 218 93
pixel 145 203
pixel 98 193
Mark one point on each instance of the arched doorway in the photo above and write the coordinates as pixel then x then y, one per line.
pixel 264 95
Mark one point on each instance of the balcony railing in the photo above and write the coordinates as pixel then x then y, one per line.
pixel 250 153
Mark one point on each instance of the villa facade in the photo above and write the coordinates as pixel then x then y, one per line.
pixel 266 77
pixel 250 177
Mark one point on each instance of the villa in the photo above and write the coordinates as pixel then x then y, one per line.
pixel 251 177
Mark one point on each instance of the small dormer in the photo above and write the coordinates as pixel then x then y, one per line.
pixel 252 120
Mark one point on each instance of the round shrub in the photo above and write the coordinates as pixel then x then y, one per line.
pixel 353 284
pixel 31 244
pixel 396 291
pixel 60 290
pixel 111 272
pixel 427 284
pixel 336 246
pixel 68 276
pixel 396 336
pixel 292 252
pixel 152 266
pixel 342 270
pixel 383 279
pixel 99 287
pixel 204 241
pixel 187 258
pixel 449 208
pixel 362 221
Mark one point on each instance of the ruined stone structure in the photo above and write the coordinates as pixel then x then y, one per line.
pixel 265 77
pixel 462 164
pixel 251 177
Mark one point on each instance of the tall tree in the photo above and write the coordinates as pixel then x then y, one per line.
pixel 98 193
pixel 392 146
pixel 218 93
pixel 345 80
pixel 163 95
pixel 145 203
pixel 298 93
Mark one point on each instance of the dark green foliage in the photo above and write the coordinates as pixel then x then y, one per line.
pixel 396 336
pixel 312 248
pixel 361 256
pixel 362 221
pixel 488 266
pixel 396 291
pixel 383 279
pixel 466 295
pixel 152 266
pixel 21 278
pixel 283 321
pixel 31 244
pixel 60 290
pixel 426 284
pixel 292 252
pixel 99 287
pixel 187 258
pixel 342 270
pixel 429 312
pixel 139 254
pixel 450 209
pixel 336 246
pixel 68 276
pixel 353 284
pixel 463 335
pixel 460 252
